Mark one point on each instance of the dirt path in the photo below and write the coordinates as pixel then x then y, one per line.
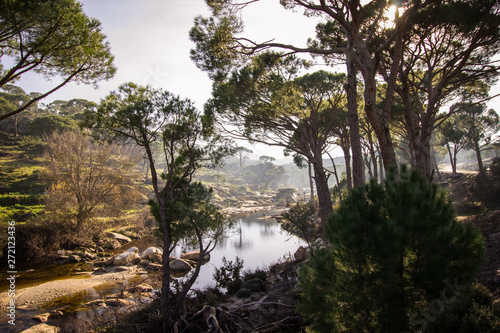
pixel 48 291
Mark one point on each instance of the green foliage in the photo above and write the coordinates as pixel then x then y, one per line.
pixel 488 185
pixel 229 275
pixel 470 311
pixel 301 220
pixel 52 38
pixel 48 124
pixel 390 248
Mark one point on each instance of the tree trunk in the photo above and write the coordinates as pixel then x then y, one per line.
pixel 347 158
pixel 336 177
pixel 165 306
pixel 358 173
pixel 324 198
pixel 379 123
pixel 311 185
pixel 479 159
pixel 453 158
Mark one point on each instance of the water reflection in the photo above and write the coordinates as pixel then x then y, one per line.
pixel 259 243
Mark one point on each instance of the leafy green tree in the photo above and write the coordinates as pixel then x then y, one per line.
pixel 144 115
pixel 48 124
pixel 51 38
pixel 242 154
pixel 482 126
pixel 267 159
pixel 392 248
pixel 300 220
pixel 268 102
pixel 451 135
pixel 449 54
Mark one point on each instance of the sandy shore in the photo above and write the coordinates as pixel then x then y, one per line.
pixel 48 291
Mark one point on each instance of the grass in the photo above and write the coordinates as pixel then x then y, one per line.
pixel 20 164
pixel 20 187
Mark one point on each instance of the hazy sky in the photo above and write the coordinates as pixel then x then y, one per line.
pixel 150 42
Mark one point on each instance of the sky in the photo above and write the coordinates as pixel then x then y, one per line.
pixel 150 42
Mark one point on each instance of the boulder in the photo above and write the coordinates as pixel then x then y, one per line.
pixel 147 252
pixel 121 269
pixel 124 258
pixel 75 258
pixel 42 318
pixel 301 254
pixel 120 302
pixel 133 249
pixel 42 328
pixel 179 265
pixel 136 261
pixel 156 257
pixel 194 256
pixel 154 267
pixel 286 196
pixel 119 237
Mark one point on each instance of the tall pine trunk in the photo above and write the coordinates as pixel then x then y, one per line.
pixel 324 198
pixel 358 172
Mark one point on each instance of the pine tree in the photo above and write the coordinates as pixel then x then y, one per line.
pixel 392 248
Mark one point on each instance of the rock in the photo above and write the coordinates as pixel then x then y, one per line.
pixel 121 269
pixel 42 328
pixel 195 255
pixel 153 267
pixel 88 255
pixel 286 196
pixel 179 265
pixel 136 261
pixel 254 285
pixel 124 258
pixel 301 254
pixel 119 237
pixel 56 313
pixel 99 270
pixel 75 258
pixel 100 263
pixel 156 257
pixel 141 288
pixel 147 252
pixel 133 249
pixel 96 302
pixel 110 262
pixel 120 302
pixel 42 318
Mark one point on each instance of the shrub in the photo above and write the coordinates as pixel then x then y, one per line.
pixel 471 311
pixel 229 275
pixel 488 185
pixel 391 247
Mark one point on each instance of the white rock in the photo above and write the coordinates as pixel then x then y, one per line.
pixel 149 250
pixel 124 258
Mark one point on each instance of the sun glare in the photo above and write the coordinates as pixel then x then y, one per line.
pixel 390 15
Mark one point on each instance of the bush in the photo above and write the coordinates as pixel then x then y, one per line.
pixel 229 275
pixel 257 274
pixel 390 250
pixel 488 185
pixel 471 311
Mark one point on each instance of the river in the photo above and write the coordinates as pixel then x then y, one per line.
pixel 258 242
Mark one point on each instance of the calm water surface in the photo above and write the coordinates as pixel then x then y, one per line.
pixel 259 243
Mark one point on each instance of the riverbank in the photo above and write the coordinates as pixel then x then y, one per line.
pixel 36 296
